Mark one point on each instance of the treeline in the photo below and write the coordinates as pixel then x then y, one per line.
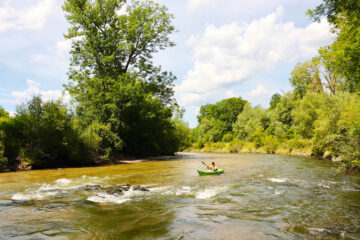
pixel 49 135
pixel 320 116
pixel 122 103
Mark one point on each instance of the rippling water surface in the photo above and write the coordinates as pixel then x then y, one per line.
pixel 258 197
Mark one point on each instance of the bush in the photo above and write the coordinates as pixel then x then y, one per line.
pixel 3 159
pixel 46 135
pixel 235 146
pixel 270 143
pixel 228 137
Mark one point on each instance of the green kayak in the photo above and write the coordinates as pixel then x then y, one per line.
pixel 210 172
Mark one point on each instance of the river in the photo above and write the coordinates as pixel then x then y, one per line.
pixel 259 196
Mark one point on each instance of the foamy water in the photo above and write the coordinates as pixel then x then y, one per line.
pixel 107 198
pixel 277 180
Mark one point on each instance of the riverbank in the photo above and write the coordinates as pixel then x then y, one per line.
pixel 298 149
pixel 22 163
pixel 294 147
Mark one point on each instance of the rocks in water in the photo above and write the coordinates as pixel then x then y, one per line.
pixel 120 189
pixel 140 188
pixel 91 187
pixel 114 190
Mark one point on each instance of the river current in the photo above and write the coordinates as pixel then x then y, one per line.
pixel 259 196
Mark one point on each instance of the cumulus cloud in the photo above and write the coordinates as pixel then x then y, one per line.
pixel 230 54
pixel 63 48
pixel 31 18
pixel 33 89
pixel 258 94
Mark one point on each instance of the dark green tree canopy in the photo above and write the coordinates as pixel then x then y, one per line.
pixel 216 120
pixel 275 99
pixel 3 113
pixel 122 98
pixel 226 110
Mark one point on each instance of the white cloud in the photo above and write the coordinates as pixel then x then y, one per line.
pixel 33 89
pixel 258 94
pixel 233 53
pixel 31 18
pixel 63 48
pixel 194 5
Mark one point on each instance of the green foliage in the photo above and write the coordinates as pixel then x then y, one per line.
pixel 183 134
pixel 258 136
pixel 306 77
pixel 343 56
pixel 270 143
pixel 12 138
pixel 122 98
pixel 297 144
pixel 3 159
pixel 306 113
pixel 334 10
pixel 216 120
pixel 228 137
pixel 249 120
pixel 48 137
pixel 281 118
pixel 211 130
pixel 275 99
pixel 3 113
pixel 320 123
pixel 226 110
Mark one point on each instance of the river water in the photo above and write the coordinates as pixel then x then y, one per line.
pixel 259 196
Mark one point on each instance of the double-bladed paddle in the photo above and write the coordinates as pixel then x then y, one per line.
pixel 209 168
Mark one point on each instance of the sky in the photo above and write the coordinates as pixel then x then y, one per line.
pixel 224 48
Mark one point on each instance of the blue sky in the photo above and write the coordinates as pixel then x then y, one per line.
pixel 224 48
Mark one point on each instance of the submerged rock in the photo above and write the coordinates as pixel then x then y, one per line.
pixel 114 190
pixel 91 187
pixel 120 189
pixel 140 188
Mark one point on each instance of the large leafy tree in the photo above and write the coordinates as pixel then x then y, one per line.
pixel 216 120
pixel 226 111
pixel 122 98
pixel 306 76
pixel 343 56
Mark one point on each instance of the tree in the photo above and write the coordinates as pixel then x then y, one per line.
pixel 306 76
pixel 3 159
pixel 46 135
pixel 216 120
pixel 248 121
pixel 334 10
pixel 210 130
pixel 275 99
pixel 343 56
pixel 226 110
pixel 306 113
pixel 281 119
pixel 113 80
pixel 183 134
pixel 3 113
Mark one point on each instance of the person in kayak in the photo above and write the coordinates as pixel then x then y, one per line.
pixel 213 167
